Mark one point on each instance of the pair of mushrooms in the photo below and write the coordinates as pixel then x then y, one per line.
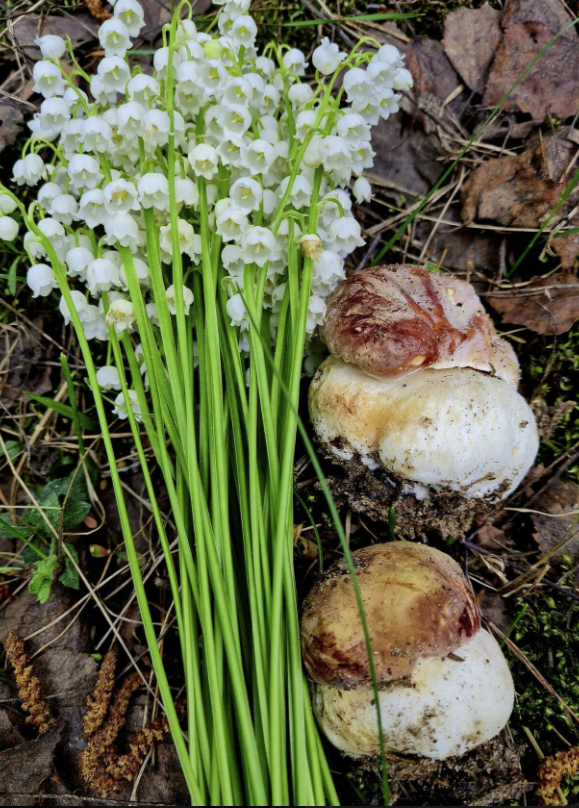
pixel 421 392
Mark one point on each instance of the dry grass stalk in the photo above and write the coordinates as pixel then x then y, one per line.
pixel 552 771
pixel 27 683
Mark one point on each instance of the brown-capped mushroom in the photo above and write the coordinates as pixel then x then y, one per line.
pixel 421 391
pixel 444 685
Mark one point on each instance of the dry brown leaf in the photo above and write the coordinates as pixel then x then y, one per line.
pixel 521 190
pixel 550 312
pixel 471 37
pixel 435 80
pixel 552 85
pixel 23 768
pixel 550 526
pixel 81 28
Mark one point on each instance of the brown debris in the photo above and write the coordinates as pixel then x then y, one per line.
pixel 100 750
pixel 96 10
pixel 551 772
pixel 125 767
pixel 471 37
pixel 550 312
pixel 99 700
pixel 552 85
pixel 550 526
pixel 434 81
pixel 521 190
pixel 28 684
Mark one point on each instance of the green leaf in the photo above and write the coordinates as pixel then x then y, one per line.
pixel 50 506
pixel 41 583
pixel 64 409
pixel 33 549
pixel 12 277
pixel 75 512
pixel 69 576
pixel 354 18
pixel 13 448
pixel 10 531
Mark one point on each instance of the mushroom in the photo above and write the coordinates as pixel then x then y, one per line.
pixel 420 397
pixel 444 685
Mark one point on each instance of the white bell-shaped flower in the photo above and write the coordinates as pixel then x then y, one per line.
pixel 204 161
pixel 172 303
pixel 155 128
pixel 29 170
pixel 54 113
pixel 96 134
pixel 142 88
pixel 186 240
pixel 41 279
pixel 316 313
pixel 84 171
pixel 402 80
pixel 327 57
pixel 120 197
pixel 244 31
pixel 7 204
pixel 121 315
pixel 120 408
pixel 153 190
pixel 246 193
pixel 231 223
pixel 48 79
pixel 102 275
pixel 334 153
pixel 300 94
pixel 64 208
pixel 258 245
pixel 301 190
pixel 114 37
pixel 345 234
pixel 51 46
pixel 131 14
pixel 108 378
pixel 186 192
pixel 237 312
pixel 114 73
pixel 77 261
pixel 8 228
pixel 362 190
pixel 124 230
pixel 294 61
pixel 92 208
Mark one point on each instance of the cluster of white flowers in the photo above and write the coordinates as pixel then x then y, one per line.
pixel 256 130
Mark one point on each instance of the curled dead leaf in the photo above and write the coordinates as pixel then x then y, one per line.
pixel 547 306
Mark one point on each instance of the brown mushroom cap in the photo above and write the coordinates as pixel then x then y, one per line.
pixel 417 603
pixel 391 319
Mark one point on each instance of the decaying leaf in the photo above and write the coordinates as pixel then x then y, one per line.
pixel 435 81
pixel 552 85
pixel 23 768
pixel 471 37
pixel 521 190
pixel 550 526
pixel 81 28
pixel 552 310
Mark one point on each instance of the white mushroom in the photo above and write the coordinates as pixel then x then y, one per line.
pixel 444 685
pixel 421 388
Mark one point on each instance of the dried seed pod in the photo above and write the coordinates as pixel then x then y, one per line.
pixel 444 685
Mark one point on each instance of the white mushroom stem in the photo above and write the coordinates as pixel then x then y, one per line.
pixel 457 429
pixel 449 706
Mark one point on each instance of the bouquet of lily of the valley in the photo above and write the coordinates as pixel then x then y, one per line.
pixel 195 218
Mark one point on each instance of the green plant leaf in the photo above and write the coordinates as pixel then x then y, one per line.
pixel 12 277
pixel 64 409
pixel 33 549
pixel 13 448
pixel 10 531
pixel 355 18
pixel 75 512
pixel 69 576
pixel 41 582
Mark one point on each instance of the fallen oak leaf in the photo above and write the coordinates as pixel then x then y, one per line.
pixel 548 306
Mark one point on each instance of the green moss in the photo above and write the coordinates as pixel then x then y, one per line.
pixel 553 367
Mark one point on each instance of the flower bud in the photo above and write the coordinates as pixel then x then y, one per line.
pixel 312 246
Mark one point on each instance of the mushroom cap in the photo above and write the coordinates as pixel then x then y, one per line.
pixel 392 319
pixel 417 604
pixel 454 430
pixel 448 707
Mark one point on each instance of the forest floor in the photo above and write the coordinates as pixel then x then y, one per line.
pixel 486 188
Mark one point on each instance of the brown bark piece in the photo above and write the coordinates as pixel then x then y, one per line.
pixel 551 87
pixel 550 312
pixel 471 37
